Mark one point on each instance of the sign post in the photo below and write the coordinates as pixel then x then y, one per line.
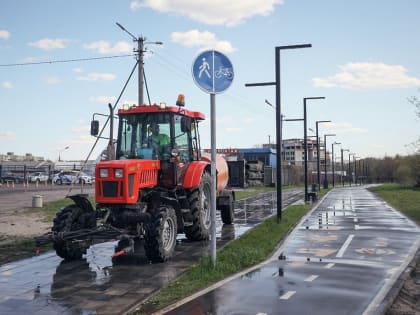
pixel 213 73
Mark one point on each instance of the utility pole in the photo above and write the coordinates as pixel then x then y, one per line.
pixel 141 41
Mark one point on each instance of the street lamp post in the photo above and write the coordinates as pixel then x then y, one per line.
pixel 350 174
pixel 325 159
pixel 342 165
pixel 355 169
pixel 317 151
pixel 305 141
pixel 333 161
pixel 278 119
pixel 59 152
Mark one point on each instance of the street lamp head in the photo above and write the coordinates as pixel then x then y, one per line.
pixel 322 121
pixel 293 46
pixel 314 98
pixel 268 103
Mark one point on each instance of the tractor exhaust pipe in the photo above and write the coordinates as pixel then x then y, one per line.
pixel 111 146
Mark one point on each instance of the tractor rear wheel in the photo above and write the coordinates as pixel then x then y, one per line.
pixel 68 219
pixel 227 212
pixel 160 235
pixel 200 207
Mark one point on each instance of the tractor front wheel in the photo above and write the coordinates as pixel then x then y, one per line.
pixel 160 235
pixel 69 219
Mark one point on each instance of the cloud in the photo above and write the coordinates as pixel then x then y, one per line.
pixel 50 44
pixel 7 135
pixel 104 47
pixel 203 40
pixel 97 77
pixel 53 80
pixel 81 129
pixel 7 85
pixel 215 12
pixel 364 75
pixel 4 34
pixel 343 128
pixel 233 129
pixel 77 70
pixel 103 99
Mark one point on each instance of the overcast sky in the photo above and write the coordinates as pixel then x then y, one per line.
pixel 364 60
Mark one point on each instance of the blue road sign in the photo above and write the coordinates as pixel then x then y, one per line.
pixel 212 71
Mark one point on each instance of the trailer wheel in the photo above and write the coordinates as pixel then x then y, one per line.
pixel 199 200
pixel 160 235
pixel 68 219
pixel 228 211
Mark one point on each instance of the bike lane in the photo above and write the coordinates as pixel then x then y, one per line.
pixel 343 258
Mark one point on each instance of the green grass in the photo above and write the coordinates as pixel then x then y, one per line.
pixel 247 251
pixel 405 199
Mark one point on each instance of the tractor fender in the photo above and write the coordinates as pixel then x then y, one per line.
pixel 82 201
pixel 192 177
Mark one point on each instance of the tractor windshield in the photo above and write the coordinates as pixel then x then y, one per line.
pixel 146 136
pixel 153 136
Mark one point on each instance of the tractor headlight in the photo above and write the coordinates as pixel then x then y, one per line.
pixel 119 173
pixel 103 172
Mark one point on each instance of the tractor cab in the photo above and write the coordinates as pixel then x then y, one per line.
pixel 165 133
pixel 159 135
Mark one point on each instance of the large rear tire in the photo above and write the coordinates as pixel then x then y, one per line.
pixel 227 212
pixel 200 207
pixel 68 219
pixel 160 235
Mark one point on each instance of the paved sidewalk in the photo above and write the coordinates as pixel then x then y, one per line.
pixel 342 259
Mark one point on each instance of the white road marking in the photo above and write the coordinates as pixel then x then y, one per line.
pixel 330 265
pixel 261 313
pixel 355 220
pixel 311 278
pixel 356 227
pixel 287 295
pixel 345 246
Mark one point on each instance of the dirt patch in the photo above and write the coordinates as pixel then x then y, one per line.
pixel 408 300
pixel 23 223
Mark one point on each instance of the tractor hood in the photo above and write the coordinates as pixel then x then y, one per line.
pixel 119 181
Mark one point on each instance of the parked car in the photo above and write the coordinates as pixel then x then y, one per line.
pixel 72 177
pixel 13 178
pixel 39 177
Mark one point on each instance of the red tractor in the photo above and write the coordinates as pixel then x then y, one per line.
pixel 157 185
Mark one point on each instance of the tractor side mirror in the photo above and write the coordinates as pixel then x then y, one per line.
pixel 185 124
pixel 94 128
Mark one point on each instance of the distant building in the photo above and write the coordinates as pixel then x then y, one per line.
pixel 28 157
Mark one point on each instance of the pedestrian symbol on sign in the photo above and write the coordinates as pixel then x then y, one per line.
pixel 205 67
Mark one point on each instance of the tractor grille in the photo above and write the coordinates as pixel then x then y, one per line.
pixel 110 189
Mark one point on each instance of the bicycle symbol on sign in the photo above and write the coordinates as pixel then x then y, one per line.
pixel 225 72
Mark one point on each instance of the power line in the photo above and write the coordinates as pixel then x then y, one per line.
pixel 63 61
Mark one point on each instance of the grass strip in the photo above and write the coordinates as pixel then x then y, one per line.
pixel 404 198
pixel 244 252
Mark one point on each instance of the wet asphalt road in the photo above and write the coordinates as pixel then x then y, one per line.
pixel 98 285
pixel 342 259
